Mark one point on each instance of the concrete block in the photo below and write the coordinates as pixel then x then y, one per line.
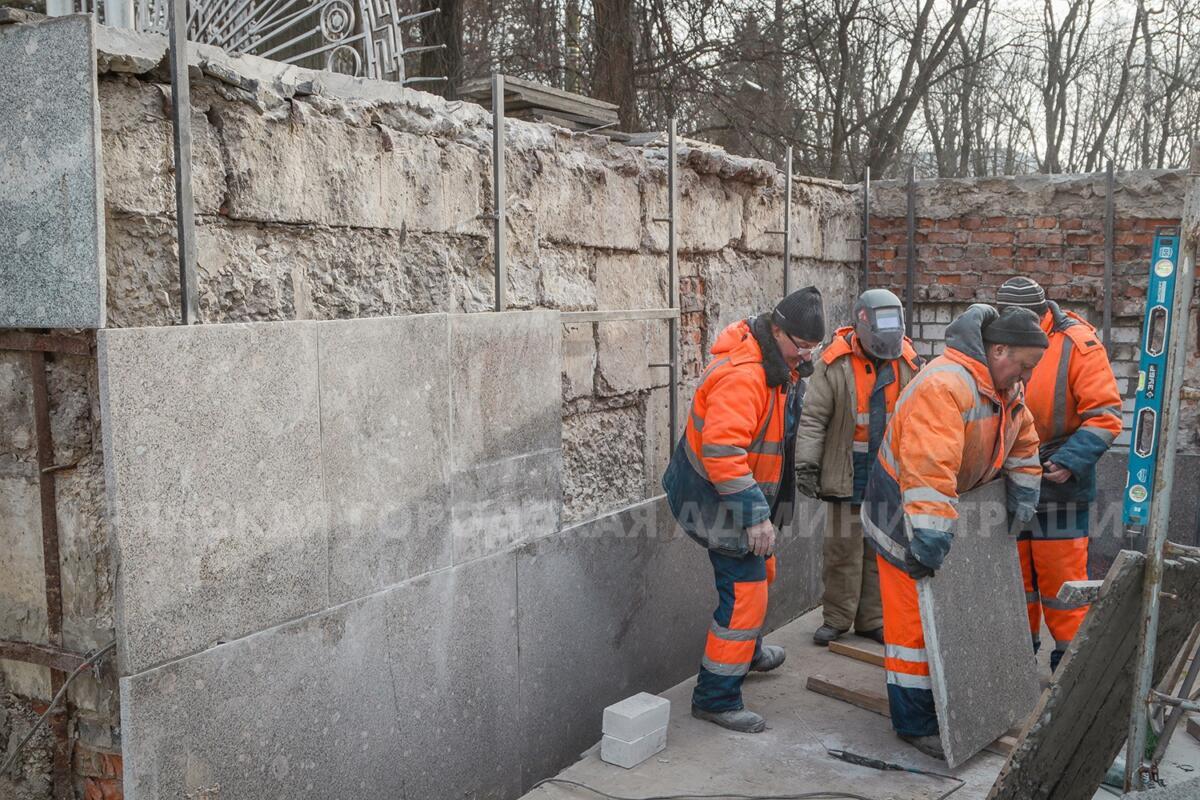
pixel 764 213
pixel 499 504
pixel 630 754
pixel 636 716
pixel 711 213
pixel 564 278
pixel 506 393
pixel 385 449
pixel 625 281
pixel 579 360
pixel 579 200
pixel 307 709
pixel 598 623
pixel 51 180
pixel 323 169
pixel 136 140
pixel 984 674
pixel 1077 593
pixel 624 352
pixel 452 652
pixel 840 226
pixel 603 468
pixel 214 479
pixel 407 693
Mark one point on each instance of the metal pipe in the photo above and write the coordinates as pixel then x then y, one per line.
pixel 866 231
pixel 181 123
pixel 910 268
pixel 787 226
pixel 499 238
pixel 673 281
pixel 1109 241
pixel 1160 513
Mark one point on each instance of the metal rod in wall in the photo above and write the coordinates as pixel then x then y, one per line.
pixel 181 123
pixel 1160 513
pixel 500 236
pixel 787 225
pixel 673 281
pixel 910 255
pixel 52 566
pixel 1109 242
pixel 867 228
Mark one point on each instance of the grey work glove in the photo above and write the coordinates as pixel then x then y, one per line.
pixel 915 569
pixel 808 480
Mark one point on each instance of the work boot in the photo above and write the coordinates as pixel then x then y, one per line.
pixel 826 634
pixel 929 745
pixel 875 634
pixel 742 720
pixel 770 657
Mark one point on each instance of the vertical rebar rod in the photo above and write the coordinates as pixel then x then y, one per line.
pixel 1109 241
pixel 866 231
pixel 673 283
pixel 1160 513
pixel 52 568
pixel 181 123
pixel 787 225
pixel 500 237
pixel 910 267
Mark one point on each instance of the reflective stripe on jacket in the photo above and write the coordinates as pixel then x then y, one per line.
pixel 1075 403
pixel 727 469
pixel 951 431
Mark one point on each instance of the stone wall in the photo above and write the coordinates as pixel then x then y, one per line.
pixel 325 198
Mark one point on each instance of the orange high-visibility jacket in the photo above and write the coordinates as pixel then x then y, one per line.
pixel 1075 403
pixel 951 431
pixel 727 470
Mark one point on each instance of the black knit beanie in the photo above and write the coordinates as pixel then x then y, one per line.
pixel 801 314
pixel 1016 326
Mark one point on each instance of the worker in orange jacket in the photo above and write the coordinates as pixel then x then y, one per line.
pixel 1076 407
pixel 961 422
pixel 731 482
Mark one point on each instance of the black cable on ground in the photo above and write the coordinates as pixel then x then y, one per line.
pixel 92 659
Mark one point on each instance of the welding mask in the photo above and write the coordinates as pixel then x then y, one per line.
pixel 879 324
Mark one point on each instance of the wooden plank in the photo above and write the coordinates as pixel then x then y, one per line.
pixel 857 653
pixel 865 699
pixel 541 88
pixel 878 704
pixel 519 94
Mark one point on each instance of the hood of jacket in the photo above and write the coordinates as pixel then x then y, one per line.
pixel 964 345
pixel 750 341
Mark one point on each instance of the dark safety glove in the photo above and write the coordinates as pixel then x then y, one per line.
pixel 808 479
pixel 915 569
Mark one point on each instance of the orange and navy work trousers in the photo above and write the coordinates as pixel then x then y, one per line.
pixel 1053 550
pixel 910 692
pixel 735 634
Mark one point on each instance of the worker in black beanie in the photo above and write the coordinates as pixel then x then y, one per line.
pixel 731 484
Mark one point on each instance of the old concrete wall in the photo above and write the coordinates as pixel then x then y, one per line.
pixel 325 198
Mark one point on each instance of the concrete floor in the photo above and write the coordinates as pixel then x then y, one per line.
pixel 790 756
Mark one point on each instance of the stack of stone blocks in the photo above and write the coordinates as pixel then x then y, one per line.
pixel 635 729
pixel 349 534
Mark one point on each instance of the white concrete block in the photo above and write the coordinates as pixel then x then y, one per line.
pixel 636 716
pixel 630 754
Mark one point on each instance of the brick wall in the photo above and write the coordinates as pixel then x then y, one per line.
pixel 973 234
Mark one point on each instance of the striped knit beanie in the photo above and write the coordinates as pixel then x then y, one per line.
pixel 1023 292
